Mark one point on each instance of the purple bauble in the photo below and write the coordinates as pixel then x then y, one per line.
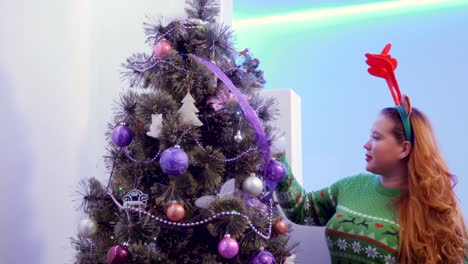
pixel 254 203
pixel 228 247
pixel 117 255
pixel 122 136
pixel 263 257
pixel 174 161
pixel 276 171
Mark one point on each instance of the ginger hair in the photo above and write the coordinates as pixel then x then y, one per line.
pixel 432 227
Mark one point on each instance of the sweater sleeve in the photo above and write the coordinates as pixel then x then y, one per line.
pixel 309 208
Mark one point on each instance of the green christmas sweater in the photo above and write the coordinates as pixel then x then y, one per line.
pixel 361 227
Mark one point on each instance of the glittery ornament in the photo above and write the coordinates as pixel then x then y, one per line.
pixel 162 48
pixel 174 161
pixel 263 257
pixel 175 212
pixel 228 247
pixel 276 171
pixel 254 203
pixel 280 227
pixel 117 255
pixel 122 136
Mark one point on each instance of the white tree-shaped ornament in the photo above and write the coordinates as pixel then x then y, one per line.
pixel 156 126
pixel 188 111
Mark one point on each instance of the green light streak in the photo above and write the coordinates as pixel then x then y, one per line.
pixel 325 16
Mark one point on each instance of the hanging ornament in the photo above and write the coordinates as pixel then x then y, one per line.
pixel 117 255
pixel 253 186
pixel 174 161
pixel 135 198
pixel 188 111
pixel 255 204
pixel 162 48
pixel 227 190
pixel 280 227
pixel 87 227
pixel 222 97
pixel 238 137
pixel 156 126
pixel 278 147
pixel 228 247
pixel 263 257
pixel 276 171
pixel 175 211
pixel 122 136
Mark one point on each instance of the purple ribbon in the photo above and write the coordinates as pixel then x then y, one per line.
pixel 249 113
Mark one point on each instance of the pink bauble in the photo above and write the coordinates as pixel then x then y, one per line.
pixel 162 48
pixel 117 255
pixel 228 247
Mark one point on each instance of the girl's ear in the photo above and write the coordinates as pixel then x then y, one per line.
pixel 406 103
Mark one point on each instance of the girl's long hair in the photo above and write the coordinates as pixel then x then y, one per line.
pixel 432 228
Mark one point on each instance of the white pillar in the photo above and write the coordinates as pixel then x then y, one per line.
pixel 289 121
pixel 225 16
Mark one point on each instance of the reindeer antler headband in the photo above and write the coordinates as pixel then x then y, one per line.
pixel 383 65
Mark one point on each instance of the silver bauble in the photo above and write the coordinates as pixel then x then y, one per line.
pixel 253 186
pixel 87 227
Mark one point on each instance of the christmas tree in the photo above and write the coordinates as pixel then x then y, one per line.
pixel 191 175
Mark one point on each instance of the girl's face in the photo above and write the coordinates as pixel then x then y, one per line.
pixel 384 152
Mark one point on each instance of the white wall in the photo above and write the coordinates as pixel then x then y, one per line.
pixel 44 101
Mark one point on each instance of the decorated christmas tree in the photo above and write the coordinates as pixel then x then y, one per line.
pixel 191 174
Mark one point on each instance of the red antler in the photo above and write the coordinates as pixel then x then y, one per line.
pixel 383 65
